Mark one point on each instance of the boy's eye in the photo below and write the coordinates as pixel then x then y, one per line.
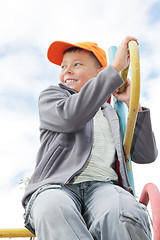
pixel 63 66
pixel 77 64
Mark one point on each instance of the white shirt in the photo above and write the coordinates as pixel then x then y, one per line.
pixel 101 160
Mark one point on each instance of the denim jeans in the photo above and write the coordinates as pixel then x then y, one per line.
pixel 86 211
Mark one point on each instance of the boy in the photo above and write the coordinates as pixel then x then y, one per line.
pixel 80 189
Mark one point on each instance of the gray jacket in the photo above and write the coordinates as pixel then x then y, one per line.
pixel 66 124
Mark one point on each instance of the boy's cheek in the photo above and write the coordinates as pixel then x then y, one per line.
pixel 61 78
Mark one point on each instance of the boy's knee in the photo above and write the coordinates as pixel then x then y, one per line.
pixel 48 203
pixel 52 204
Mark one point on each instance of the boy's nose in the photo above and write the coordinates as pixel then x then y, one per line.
pixel 68 70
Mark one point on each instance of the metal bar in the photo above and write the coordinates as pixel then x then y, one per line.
pixel 120 108
pixel 19 232
pixel 151 193
pixel 134 99
pixel 124 74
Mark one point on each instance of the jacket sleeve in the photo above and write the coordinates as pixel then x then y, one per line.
pixel 61 112
pixel 143 148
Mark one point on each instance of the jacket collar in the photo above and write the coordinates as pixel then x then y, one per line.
pixel 67 88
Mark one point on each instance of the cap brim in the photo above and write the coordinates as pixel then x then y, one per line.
pixel 56 50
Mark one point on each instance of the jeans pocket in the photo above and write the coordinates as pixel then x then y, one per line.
pixel 131 211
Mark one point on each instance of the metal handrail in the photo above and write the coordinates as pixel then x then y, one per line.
pixel 151 194
pixel 17 232
pixel 134 98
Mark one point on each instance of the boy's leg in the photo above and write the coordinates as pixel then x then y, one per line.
pixel 55 215
pixel 113 213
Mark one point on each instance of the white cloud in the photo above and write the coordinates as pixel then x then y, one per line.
pixel 19 143
pixel 12 211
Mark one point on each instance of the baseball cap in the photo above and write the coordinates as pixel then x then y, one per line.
pixel 57 48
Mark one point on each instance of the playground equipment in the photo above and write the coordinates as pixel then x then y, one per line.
pixel 12 233
pixel 150 191
pixel 127 130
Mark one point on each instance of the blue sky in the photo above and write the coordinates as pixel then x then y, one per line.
pixel 27 29
pixel 154 11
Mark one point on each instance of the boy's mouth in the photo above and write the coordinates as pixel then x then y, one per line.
pixel 70 80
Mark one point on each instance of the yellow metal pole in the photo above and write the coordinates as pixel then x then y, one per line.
pixel 134 99
pixel 20 232
pixel 124 74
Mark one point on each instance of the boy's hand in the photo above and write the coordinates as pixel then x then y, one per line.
pixel 122 57
pixel 125 96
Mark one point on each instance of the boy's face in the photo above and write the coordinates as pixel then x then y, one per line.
pixel 77 68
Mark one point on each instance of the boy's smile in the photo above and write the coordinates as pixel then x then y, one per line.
pixel 69 81
pixel 77 68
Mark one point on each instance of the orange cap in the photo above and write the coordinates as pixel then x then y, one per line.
pixel 57 48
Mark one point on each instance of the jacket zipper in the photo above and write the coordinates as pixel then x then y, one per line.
pixel 91 123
